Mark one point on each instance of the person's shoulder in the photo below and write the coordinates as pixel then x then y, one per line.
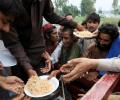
pixel 76 47
pixel 76 44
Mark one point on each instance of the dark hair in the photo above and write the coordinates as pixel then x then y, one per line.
pixel 11 7
pixel 83 23
pixel 119 23
pixel 93 17
pixel 68 14
pixel 70 30
pixel 109 29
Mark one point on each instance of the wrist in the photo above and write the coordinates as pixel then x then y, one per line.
pixel 94 63
pixel 31 72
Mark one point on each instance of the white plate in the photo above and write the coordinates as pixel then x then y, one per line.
pixel 54 82
pixel 80 34
pixel 7 58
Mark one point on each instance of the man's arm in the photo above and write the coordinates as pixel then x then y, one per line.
pixel 82 65
pixel 112 64
pixel 11 41
pixel 53 18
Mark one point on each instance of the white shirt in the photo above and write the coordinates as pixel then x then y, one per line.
pixel 6 57
pixel 56 53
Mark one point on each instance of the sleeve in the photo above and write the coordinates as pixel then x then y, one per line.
pixel 53 18
pixel 112 64
pixel 11 41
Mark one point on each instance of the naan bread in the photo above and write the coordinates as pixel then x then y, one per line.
pixel 84 34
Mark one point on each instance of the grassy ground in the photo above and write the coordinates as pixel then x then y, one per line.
pixel 111 20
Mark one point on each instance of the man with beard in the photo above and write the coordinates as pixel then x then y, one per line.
pixel 107 34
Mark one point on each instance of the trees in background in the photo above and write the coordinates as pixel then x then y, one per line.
pixel 116 7
pixel 87 7
pixel 59 4
pixel 62 7
pixel 70 9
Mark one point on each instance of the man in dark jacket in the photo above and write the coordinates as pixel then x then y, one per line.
pixel 25 38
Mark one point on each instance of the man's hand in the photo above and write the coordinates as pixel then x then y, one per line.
pixel 47 67
pixel 82 65
pixel 13 84
pixel 67 68
pixel 13 79
pixel 54 74
pixel 31 73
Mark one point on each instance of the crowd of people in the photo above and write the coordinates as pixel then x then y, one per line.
pixel 44 49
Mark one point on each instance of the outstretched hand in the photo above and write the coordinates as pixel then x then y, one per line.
pixel 13 84
pixel 54 73
pixel 82 65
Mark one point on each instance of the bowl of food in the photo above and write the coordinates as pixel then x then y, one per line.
pixel 40 87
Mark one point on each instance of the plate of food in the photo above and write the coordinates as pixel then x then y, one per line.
pixel 40 86
pixel 84 34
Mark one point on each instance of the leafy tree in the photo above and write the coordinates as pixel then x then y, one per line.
pixel 87 7
pixel 62 7
pixel 71 9
pixel 116 8
pixel 100 11
pixel 59 4
pixel 115 4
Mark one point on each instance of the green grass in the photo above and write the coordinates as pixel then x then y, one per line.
pixel 111 20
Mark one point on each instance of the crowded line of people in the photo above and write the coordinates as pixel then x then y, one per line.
pixel 44 49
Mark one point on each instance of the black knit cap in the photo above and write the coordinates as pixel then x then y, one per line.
pixel 11 7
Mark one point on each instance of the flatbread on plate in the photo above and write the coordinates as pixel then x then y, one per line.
pixel 84 34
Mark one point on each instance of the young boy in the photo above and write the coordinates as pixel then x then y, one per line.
pixel 92 23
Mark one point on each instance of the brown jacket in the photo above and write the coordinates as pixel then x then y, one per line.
pixel 26 41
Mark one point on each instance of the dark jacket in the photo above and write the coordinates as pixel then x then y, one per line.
pixel 26 41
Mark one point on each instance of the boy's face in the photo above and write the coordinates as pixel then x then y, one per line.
pixel 5 22
pixel 66 38
pixel 92 26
